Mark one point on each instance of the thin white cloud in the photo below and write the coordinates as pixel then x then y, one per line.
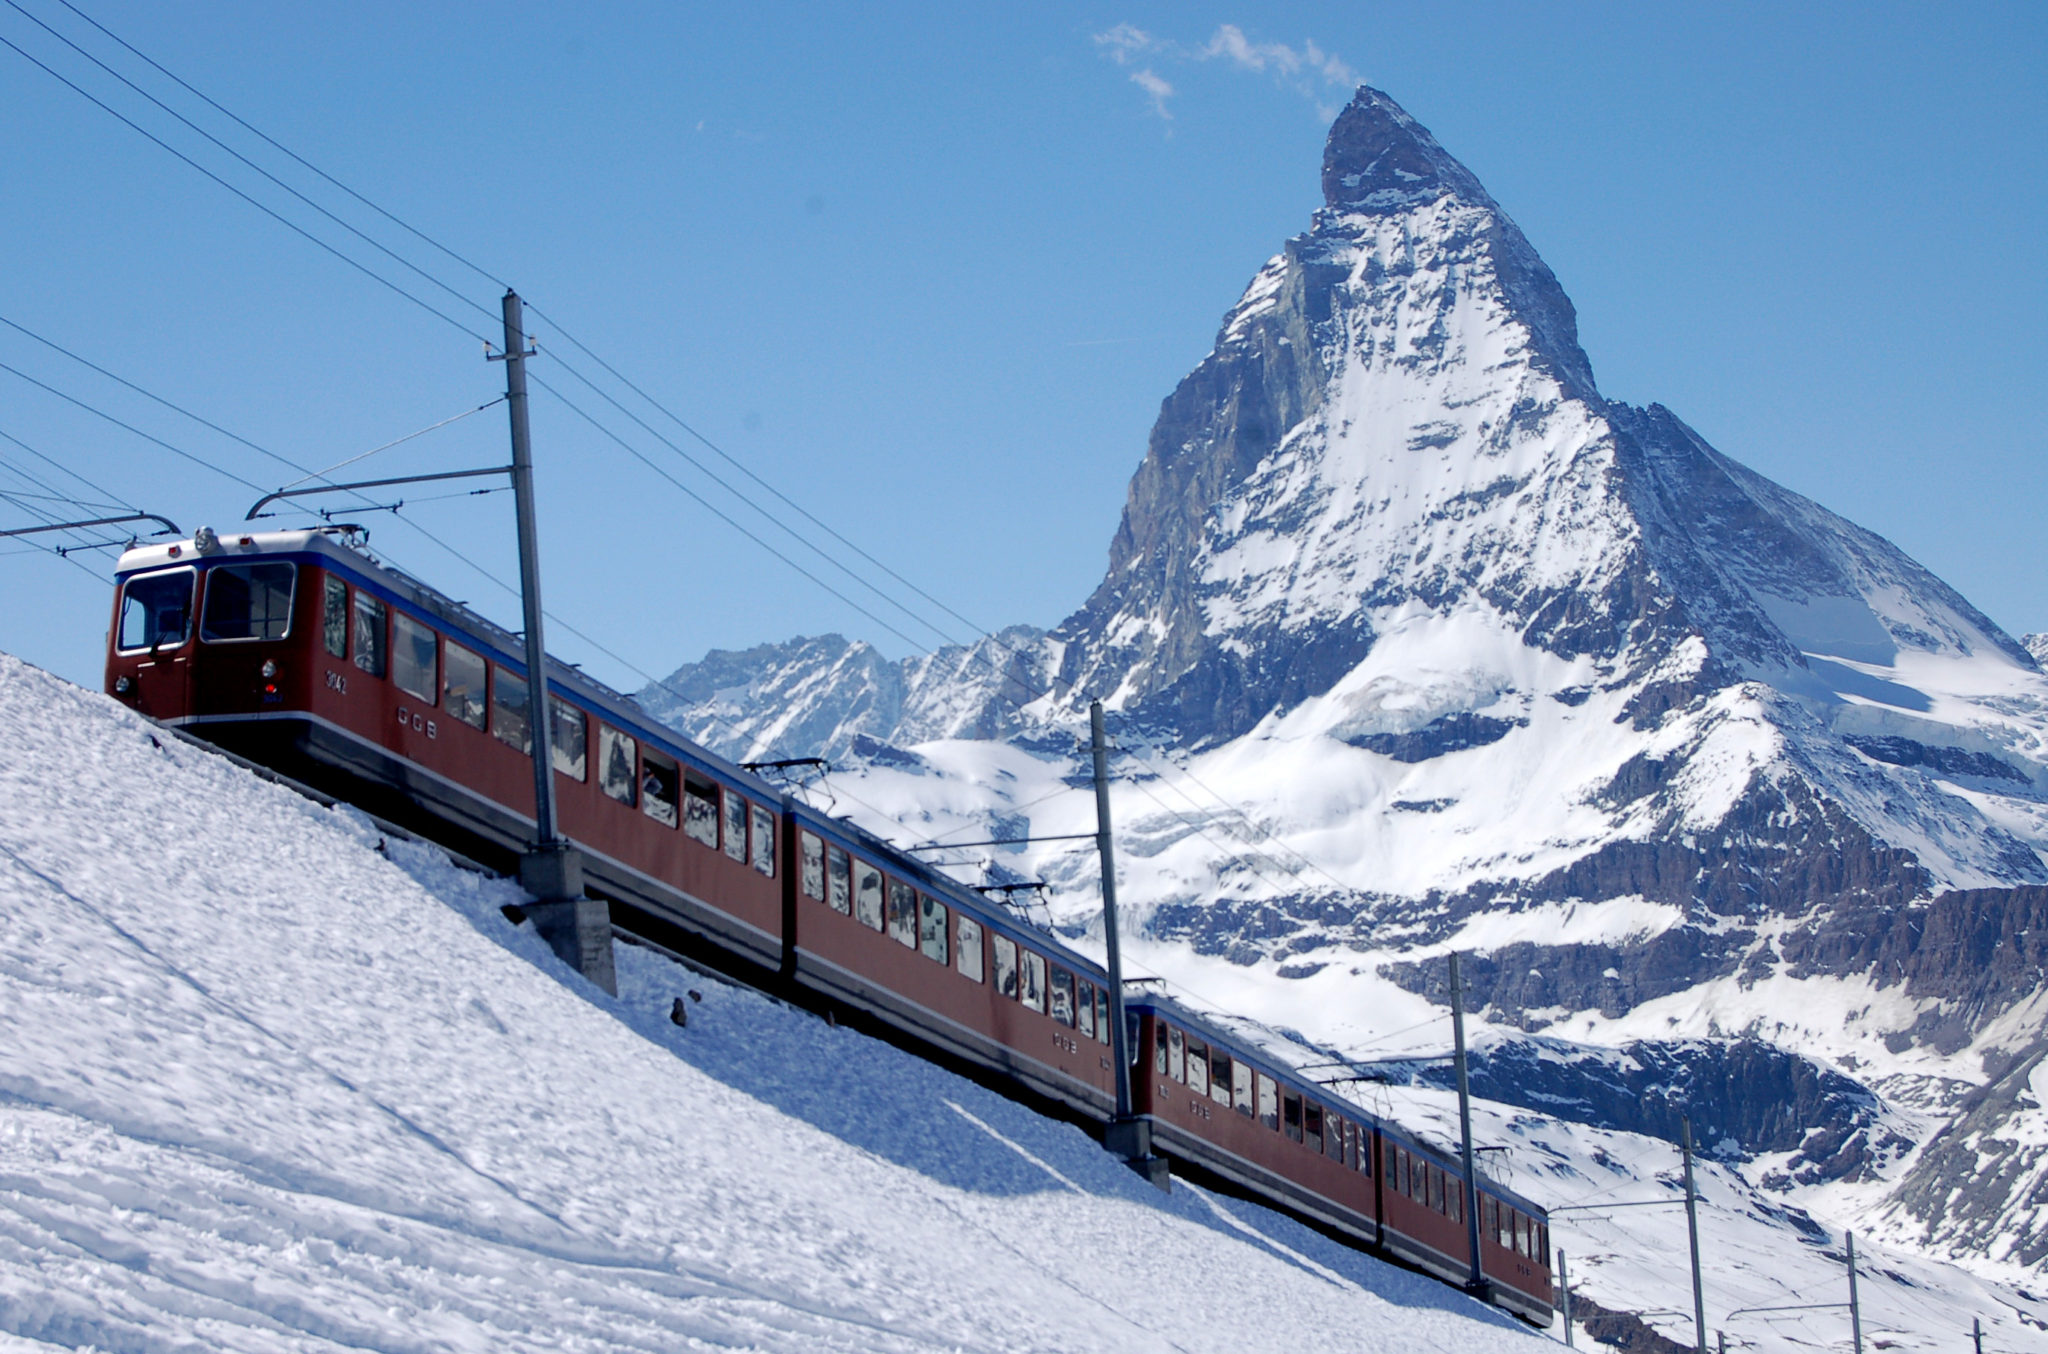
pixel 1158 90
pixel 1307 70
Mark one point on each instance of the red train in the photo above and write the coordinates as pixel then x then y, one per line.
pixel 303 653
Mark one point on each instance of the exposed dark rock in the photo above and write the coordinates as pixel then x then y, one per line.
pixel 1948 761
pixel 1744 1097
pixel 1451 733
pixel 1623 1331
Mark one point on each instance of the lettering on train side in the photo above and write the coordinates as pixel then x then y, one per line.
pixel 337 682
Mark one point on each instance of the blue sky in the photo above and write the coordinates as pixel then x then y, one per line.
pixel 931 269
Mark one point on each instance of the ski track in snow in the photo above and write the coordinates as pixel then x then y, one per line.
pixel 268 1087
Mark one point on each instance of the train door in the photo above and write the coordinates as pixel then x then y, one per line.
pixel 154 629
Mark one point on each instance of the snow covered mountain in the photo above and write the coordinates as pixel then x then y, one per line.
pixel 1416 641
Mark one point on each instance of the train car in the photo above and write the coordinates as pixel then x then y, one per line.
pixel 876 930
pixel 1218 1106
pixel 304 654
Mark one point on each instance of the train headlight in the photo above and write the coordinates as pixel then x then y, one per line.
pixel 269 668
pixel 121 685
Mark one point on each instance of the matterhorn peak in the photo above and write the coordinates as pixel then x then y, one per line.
pixel 1378 158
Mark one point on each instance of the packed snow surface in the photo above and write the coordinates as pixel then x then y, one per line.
pixel 272 1083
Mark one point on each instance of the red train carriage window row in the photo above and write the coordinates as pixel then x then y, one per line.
pixel 1237 1085
pixel 850 886
pixel 1428 1184
pixel 485 695
pixel 1514 1230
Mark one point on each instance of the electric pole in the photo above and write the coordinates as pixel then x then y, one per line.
pixel 577 927
pixel 1692 1231
pixel 1126 1136
pixel 1477 1282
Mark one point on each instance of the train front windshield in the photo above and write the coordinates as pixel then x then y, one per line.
pixel 156 610
pixel 248 601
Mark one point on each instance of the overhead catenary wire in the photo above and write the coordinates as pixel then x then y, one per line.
pixel 275 215
pixel 284 149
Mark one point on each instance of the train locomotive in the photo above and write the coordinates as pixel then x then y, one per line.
pixel 301 652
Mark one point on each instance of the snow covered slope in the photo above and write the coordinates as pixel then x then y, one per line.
pixel 1426 643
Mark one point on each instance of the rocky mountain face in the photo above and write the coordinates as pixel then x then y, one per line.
pixel 1719 789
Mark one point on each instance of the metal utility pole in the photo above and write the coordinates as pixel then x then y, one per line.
pixel 1126 1136
pixel 1477 1282
pixel 545 836
pixel 1855 1312
pixel 1720 1342
pixel 1977 1334
pixel 1564 1295
pixel 1692 1231
pixel 577 927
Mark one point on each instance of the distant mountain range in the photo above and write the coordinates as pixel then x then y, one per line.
pixel 1420 643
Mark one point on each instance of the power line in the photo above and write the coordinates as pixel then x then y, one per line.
pixel 286 150
pixel 100 413
pixel 274 215
pixel 373 243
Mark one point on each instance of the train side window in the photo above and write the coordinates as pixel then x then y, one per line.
pixel 1033 994
pixel 903 914
pixel 1489 1219
pixel 508 711
pixel 1062 989
pixel 1102 1017
pixel 1365 1150
pixel 156 610
pixel 1522 1232
pixel 567 735
pixel 931 928
pixel 1312 1127
pixel 700 811
pixel 367 633
pixel 735 826
pixel 1241 1089
pixel 1084 1008
pixel 1540 1248
pixel 659 780
pixel 1220 1069
pixel 1269 1101
pixel 616 753
pixel 1159 1047
pixel 1198 1067
pixel 1454 1197
pixel 462 684
pixel 1006 966
pixel 838 880
pixel 764 841
pixel 334 616
pixel 1177 1055
pixel 1333 1135
pixel 1436 1190
pixel 811 875
pixel 867 895
pixel 967 948
pixel 248 601
pixel 415 669
pixel 1290 1115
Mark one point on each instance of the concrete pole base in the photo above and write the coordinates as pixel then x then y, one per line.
pixel 1131 1139
pixel 578 929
